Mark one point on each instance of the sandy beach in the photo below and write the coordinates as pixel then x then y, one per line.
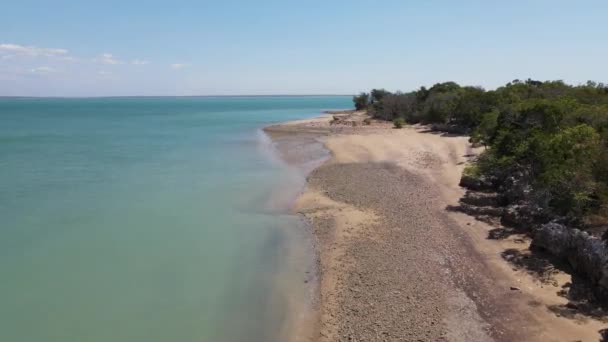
pixel 395 261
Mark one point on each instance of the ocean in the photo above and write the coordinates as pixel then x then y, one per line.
pixel 148 219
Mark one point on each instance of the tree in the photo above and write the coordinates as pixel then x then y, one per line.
pixel 567 162
pixel 439 107
pixel 378 94
pixel 445 87
pixel 471 106
pixel 484 132
pixel 361 101
pixel 397 105
pixel 547 141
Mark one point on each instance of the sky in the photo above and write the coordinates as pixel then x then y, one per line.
pixel 230 47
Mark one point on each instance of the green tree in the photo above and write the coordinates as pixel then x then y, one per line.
pixel 484 132
pixel 439 107
pixel 378 94
pixel 546 141
pixel 567 161
pixel 361 101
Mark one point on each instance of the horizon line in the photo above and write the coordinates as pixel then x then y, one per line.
pixel 139 96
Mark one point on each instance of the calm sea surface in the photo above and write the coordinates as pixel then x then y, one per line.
pixel 144 219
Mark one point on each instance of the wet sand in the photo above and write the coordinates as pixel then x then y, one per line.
pixel 394 264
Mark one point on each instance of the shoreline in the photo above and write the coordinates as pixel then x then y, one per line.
pixel 300 152
pixel 395 263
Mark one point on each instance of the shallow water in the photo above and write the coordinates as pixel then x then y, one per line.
pixel 147 219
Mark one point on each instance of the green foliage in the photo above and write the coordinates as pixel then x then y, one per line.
pixel 439 106
pixel 484 132
pixel 470 107
pixel 551 137
pixel 395 105
pixel 378 94
pixel 472 170
pixel 361 101
pixel 566 162
pixel 398 122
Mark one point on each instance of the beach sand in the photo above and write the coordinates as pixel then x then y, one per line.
pixel 394 262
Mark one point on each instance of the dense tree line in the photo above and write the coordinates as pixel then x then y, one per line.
pixel 547 142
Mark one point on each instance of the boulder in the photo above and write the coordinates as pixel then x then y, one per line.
pixel 519 216
pixel 525 215
pixel 515 187
pixel 587 255
pixel 482 199
pixel 475 183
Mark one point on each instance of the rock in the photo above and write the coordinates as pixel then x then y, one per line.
pixel 479 199
pixel 513 288
pixel 449 128
pixel 587 255
pixel 474 210
pixel 524 215
pixel 572 306
pixel 515 216
pixel 515 187
pixel 475 183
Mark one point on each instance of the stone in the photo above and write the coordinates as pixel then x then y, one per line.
pixel 586 254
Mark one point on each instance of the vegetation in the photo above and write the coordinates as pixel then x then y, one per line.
pixel 361 101
pixel 547 142
pixel 398 122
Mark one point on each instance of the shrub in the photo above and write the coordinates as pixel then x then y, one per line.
pixel 471 170
pixel 483 133
pixel 361 101
pixel 398 122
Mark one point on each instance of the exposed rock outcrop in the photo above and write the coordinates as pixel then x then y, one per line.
pixel 524 215
pixel 475 183
pixel 587 255
pixel 527 210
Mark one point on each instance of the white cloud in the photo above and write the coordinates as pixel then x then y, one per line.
pixel 43 70
pixel 105 75
pixel 107 58
pixel 69 59
pixel 177 66
pixel 13 50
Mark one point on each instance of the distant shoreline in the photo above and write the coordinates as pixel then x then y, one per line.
pixel 173 96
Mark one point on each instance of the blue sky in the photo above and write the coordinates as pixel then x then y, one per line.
pixel 101 48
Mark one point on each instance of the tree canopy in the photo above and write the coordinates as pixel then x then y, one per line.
pixel 551 136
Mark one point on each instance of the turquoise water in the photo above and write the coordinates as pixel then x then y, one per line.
pixel 142 219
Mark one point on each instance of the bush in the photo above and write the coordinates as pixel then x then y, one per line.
pixel 361 101
pixel 395 105
pixel 483 133
pixel 471 170
pixel 398 122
